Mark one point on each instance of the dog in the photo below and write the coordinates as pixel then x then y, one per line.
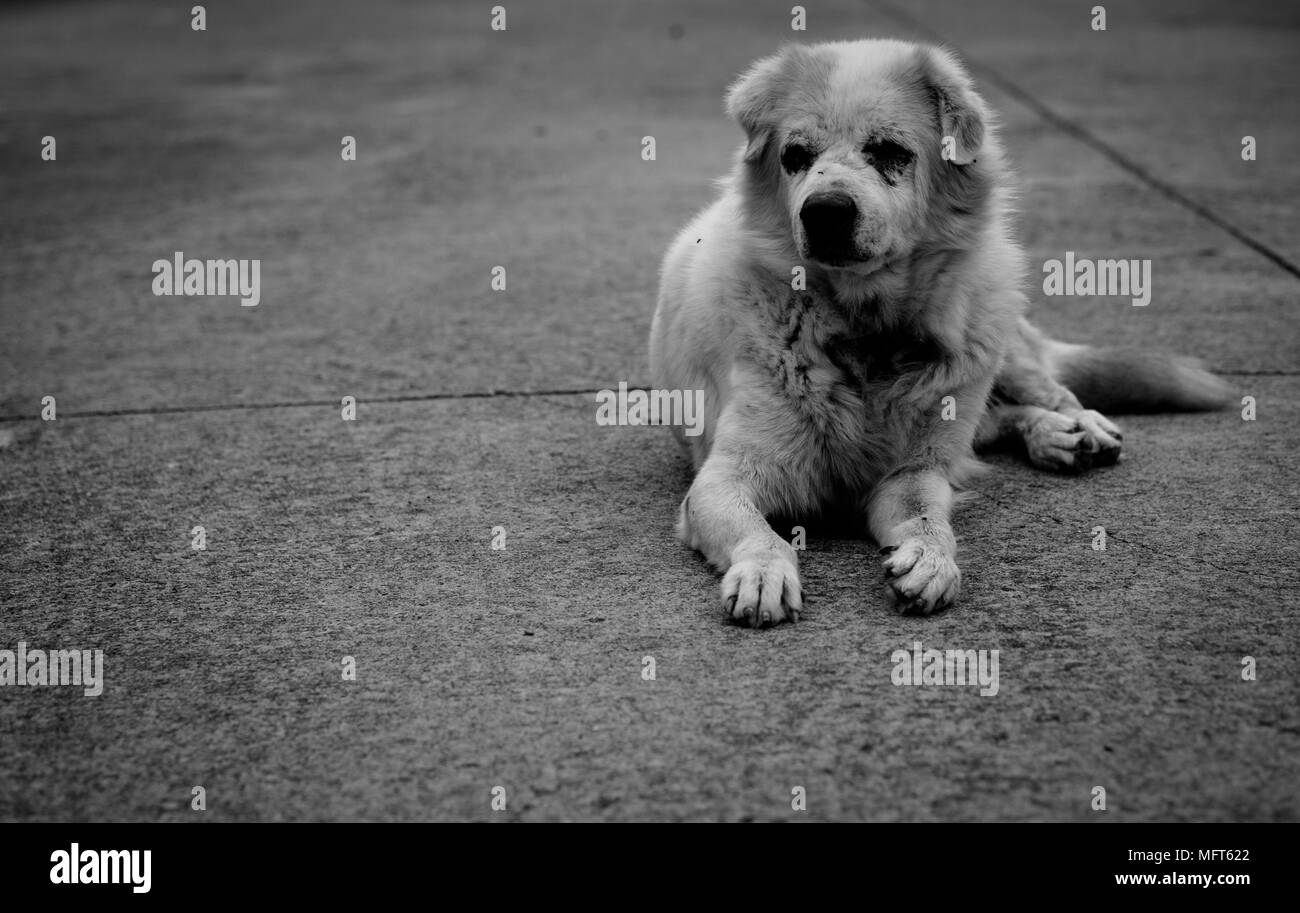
pixel 852 308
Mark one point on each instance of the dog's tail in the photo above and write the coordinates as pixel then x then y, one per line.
pixel 1132 380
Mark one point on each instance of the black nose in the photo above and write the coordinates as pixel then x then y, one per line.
pixel 829 219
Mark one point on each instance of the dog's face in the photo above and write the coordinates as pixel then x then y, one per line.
pixel 867 150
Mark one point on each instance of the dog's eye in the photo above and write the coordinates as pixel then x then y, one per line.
pixel 796 158
pixel 888 157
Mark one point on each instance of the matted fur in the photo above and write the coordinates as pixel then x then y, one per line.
pixel 835 394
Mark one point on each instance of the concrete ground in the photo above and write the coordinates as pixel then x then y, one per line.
pixel 522 667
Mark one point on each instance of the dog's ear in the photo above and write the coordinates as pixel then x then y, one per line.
pixel 752 100
pixel 959 108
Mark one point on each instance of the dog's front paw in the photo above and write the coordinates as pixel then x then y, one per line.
pixel 922 575
pixel 1074 442
pixel 762 591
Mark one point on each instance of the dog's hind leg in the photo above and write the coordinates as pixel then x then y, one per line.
pixel 1040 410
pixel 1051 440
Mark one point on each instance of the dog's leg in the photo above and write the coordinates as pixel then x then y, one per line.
pixel 1049 411
pixel 1051 440
pixel 721 519
pixel 1064 437
pixel 909 516
pixel 909 511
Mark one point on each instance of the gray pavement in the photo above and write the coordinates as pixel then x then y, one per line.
pixel 522 667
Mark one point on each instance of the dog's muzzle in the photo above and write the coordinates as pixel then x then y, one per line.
pixel 830 220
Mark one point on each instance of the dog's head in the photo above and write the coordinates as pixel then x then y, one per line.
pixel 867 151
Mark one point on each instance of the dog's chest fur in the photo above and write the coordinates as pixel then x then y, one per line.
pixel 858 392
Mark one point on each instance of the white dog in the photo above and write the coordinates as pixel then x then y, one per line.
pixel 852 309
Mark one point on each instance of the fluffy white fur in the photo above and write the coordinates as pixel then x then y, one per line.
pixel 835 395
